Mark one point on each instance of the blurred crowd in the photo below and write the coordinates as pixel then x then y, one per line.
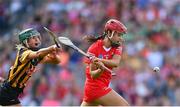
pixel 153 39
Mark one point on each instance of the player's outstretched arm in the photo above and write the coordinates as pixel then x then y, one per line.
pixel 41 53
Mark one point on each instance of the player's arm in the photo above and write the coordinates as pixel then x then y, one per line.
pixel 29 54
pixel 52 58
pixel 114 62
pixel 41 53
pixel 96 69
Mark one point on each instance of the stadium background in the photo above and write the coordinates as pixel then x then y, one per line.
pixel 152 40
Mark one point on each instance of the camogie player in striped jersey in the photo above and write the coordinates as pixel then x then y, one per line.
pixel 27 58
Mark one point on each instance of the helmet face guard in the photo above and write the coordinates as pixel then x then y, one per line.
pixel 114 25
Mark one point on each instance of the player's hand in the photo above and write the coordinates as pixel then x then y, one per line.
pixel 100 65
pixel 55 54
pixel 97 62
pixel 94 59
pixel 1 79
pixel 91 58
pixel 54 48
pixel 53 57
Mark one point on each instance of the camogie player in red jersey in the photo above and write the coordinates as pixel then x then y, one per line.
pixel 107 50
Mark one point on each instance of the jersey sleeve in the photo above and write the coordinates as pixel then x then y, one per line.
pixel 92 51
pixel 23 55
pixel 118 50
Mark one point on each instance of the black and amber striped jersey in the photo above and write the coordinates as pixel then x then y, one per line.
pixel 22 69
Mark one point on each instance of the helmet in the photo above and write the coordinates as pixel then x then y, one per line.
pixel 115 25
pixel 27 33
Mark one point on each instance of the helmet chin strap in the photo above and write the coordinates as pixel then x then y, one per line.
pixel 113 44
pixel 111 34
pixel 25 42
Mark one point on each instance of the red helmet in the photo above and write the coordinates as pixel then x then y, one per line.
pixel 115 25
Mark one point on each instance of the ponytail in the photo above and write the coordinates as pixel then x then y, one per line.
pixel 92 39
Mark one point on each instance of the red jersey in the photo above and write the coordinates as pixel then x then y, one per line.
pixel 95 88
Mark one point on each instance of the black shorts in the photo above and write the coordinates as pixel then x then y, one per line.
pixel 9 95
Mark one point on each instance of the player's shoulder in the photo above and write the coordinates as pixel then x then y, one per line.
pixel 96 44
pixel 21 49
pixel 119 48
